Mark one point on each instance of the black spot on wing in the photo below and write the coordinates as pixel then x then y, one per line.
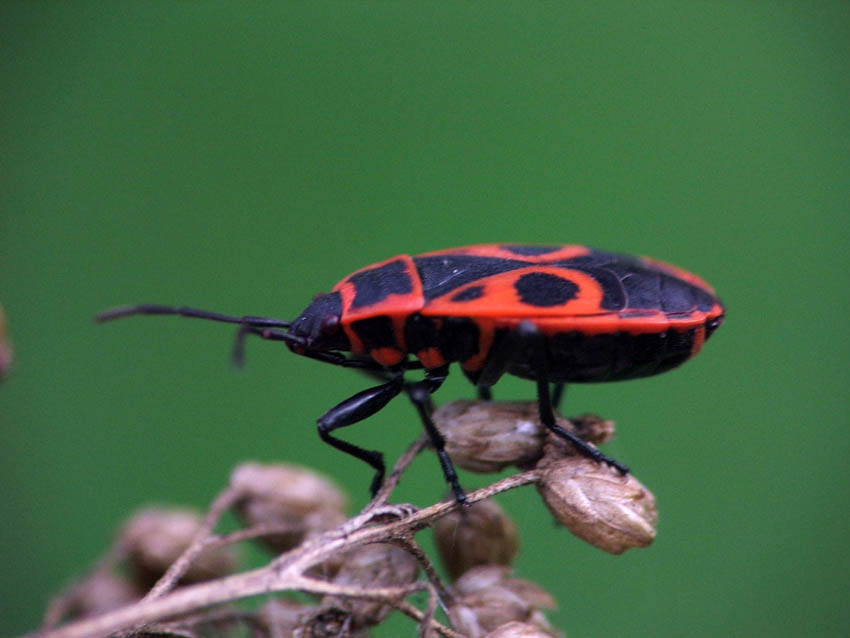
pixel 545 290
pixel 443 273
pixel 613 294
pixel 531 251
pixel 376 284
pixel 469 294
pixel 602 267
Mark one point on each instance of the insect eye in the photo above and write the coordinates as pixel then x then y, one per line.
pixel 330 325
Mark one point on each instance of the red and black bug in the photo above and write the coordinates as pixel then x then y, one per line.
pixel 551 314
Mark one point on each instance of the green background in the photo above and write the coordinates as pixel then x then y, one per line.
pixel 243 156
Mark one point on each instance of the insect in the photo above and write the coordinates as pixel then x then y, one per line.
pixel 551 314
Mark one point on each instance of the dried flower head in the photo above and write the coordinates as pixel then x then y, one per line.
pixel 487 436
pixel 593 428
pixel 98 594
pixel 154 538
pixel 289 496
pixel 608 510
pixel 515 629
pixel 482 534
pixel 488 598
pixel 283 616
pixel 375 565
pixel 327 622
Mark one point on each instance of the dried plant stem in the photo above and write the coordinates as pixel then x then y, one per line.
pixel 421 557
pixel 286 573
pixel 422 617
pixel 401 465
pixel 248 533
pixel 223 502
pixel 58 607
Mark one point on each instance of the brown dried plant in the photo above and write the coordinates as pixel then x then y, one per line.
pixel 169 574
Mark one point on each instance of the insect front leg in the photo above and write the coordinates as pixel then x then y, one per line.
pixel 353 410
pixel 539 350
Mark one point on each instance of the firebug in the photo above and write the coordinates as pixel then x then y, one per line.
pixel 552 314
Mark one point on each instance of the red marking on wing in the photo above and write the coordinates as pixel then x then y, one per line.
pixel 567 251
pixel 501 300
pixel 502 307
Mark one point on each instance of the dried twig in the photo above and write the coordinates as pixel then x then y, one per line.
pixel 285 573
pixel 220 505
pixel 299 513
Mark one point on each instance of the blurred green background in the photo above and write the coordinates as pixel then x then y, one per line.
pixel 243 156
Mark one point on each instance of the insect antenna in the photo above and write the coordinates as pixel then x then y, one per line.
pixel 153 309
pixel 264 327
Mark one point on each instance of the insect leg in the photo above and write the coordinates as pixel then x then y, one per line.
pixel 558 392
pixel 484 393
pixel 503 351
pixel 353 410
pixel 420 395
pixel 540 352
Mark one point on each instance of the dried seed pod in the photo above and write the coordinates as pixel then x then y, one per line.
pixel 101 592
pixel 328 622
pixel 593 428
pixel 487 436
pixel 516 629
pixel 482 534
pixel 154 538
pixel 6 355
pixel 282 616
pixel 608 510
pixel 487 598
pixel 375 565
pixel 288 495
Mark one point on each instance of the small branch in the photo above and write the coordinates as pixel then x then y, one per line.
pixel 221 616
pixel 414 549
pixel 60 606
pixel 248 533
pixel 285 573
pixel 401 465
pixel 388 594
pixel 419 616
pixel 428 617
pixel 223 502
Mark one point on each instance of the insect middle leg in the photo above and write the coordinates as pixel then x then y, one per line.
pixel 420 395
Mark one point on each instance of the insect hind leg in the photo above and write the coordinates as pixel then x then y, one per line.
pixel 539 350
pixel 558 392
